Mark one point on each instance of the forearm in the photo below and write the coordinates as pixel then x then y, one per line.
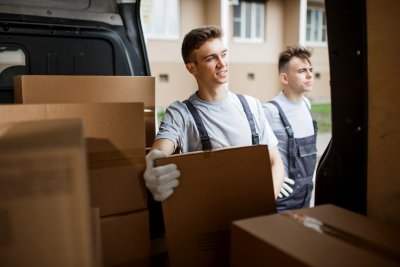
pixel 277 169
pixel 164 145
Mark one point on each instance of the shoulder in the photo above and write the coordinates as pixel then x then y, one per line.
pixel 176 111
pixel 251 100
pixel 177 105
pixel 270 108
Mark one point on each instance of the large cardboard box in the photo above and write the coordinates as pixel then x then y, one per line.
pixel 216 187
pixel 115 144
pixel 96 235
pixel 326 236
pixel 37 89
pixel 44 198
pixel 126 240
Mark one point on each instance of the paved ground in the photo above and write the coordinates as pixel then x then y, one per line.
pixel 322 142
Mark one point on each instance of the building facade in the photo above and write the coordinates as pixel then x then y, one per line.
pixel 255 33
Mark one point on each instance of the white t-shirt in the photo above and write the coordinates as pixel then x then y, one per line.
pixel 226 124
pixel 298 115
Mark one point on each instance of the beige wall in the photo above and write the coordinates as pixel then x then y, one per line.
pixel 258 59
pixel 291 22
pixel 383 194
pixel 321 91
pixel 165 56
pixel 193 14
pixel 267 51
pixel 180 85
pixel 213 12
pixel 265 84
pixel 282 29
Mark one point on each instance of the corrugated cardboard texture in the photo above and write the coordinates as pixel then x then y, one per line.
pixel 383 196
pixel 126 240
pixel 216 187
pixel 43 89
pixel 333 237
pixel 115 143
pixel 44 198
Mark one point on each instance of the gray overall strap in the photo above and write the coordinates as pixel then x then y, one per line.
pixel 255 139
pixel 285 121
pixel 314 121
pixel 205 139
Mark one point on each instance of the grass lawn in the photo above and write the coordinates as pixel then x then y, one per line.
pixel 322 113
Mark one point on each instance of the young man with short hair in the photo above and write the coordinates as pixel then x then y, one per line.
pixel 212 109
pixel 289 115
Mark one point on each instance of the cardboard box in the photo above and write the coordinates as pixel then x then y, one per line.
pixel 115 144
pixel 325 235
pixel 43 89
pixel 96 235
pixel 126 240
pixel 216 187
pixel 44 198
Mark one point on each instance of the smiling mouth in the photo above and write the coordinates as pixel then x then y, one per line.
pixel 222 72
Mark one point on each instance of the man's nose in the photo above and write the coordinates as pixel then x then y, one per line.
pixel 221 61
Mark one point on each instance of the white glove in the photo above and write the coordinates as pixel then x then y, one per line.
pixel 286 190
pixel 162 179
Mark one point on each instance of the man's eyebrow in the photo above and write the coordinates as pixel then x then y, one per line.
pixel 214 54
pixel 210 55
pixel 305 68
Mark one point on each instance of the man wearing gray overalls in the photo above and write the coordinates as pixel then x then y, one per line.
pixel 289 115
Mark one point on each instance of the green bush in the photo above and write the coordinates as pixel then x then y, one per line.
pixel 160 114
pixel 322 113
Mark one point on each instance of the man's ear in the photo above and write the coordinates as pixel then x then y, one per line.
pixel 191 68
pixel 284 78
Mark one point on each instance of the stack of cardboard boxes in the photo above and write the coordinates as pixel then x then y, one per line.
pixel 117 115
pixel 72 156
pixel 44 199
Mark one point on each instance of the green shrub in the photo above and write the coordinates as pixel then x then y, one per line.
pixel 322 113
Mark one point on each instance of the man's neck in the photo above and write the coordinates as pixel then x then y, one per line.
pixel 216 94
pixel 294 97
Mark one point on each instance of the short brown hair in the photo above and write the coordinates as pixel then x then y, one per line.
pixel 196 38
pixel 293 51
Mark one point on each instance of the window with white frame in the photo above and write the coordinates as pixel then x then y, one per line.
pixel 160 18
pixel 316 32
pixel 248 21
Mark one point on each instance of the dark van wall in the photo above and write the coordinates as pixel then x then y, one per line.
pixel 74 39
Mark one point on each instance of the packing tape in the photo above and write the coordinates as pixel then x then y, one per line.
pixel 323 228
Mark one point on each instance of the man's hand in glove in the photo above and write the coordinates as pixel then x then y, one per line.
pixel 160 180
pixel 286 190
